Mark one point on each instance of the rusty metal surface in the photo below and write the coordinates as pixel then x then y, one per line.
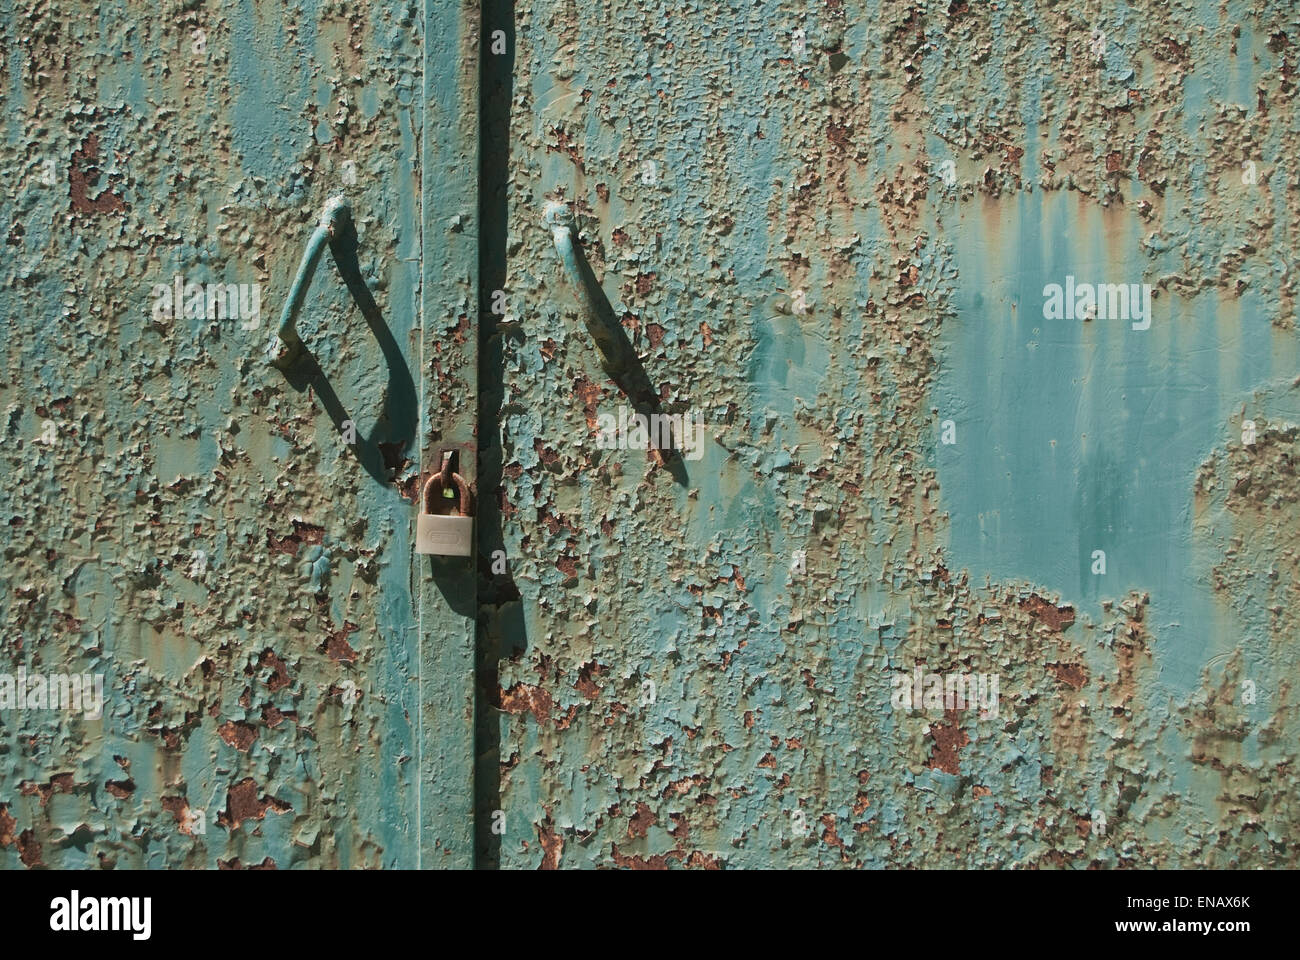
pixel 827 236
pixel 227 545
pixel 839 250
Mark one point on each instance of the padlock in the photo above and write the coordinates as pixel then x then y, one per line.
pixel 445 535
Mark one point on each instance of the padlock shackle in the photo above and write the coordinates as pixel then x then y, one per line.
pixel 433 487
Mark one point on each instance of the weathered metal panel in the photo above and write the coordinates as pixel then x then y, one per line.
pixel 831 234
pixel 449 363
pixel 830 231
pixel 229 546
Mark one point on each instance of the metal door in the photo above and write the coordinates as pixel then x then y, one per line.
pixel 226 547
pixel 822 517
pixel 953 579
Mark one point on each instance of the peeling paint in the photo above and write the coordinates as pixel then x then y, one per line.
pixel 829 231
pixel 832 252
pixel 182 518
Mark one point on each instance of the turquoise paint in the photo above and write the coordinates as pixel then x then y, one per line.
pixel 1029 445
pixel 771 687
pixel 182 444
pixel 823 414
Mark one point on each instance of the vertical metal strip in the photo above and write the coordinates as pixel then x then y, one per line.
pixel 448 411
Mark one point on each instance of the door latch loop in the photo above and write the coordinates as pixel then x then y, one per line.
pixel 335 218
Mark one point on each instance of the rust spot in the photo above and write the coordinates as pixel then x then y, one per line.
pixel 410 487
pixel 641 822
pixel 29 849
pixel 171 736
pixel 586 685
pixel 552 845
pixel 589 393
pixel 685 785
pixel 831 837
pixel 1055 618
pixel 239 735
pixel 694 860
pixel 567 565
pixel 1069 673
pixel 602 191
pixel 302 533
pixel 458 334
pixel 336 645
pixel 235 864
pixel 59 783
pixel 948 739
pixel 553 523
pixel 179 808
pixel 548 456
pixel 681 829
pixel 279 678
pixel 83 174
pixel 526 698
pixel 565 144
pixel 645 283
pixel 65 622
pixel 1171 51
pixel 655 333
pixel 243 803
pixel 273 716
pixel 565 721
pixel 7 824
pixel 119 788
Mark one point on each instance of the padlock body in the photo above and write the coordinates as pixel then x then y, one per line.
pixel 444 536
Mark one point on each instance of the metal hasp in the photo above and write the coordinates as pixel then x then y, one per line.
pixel 335 218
